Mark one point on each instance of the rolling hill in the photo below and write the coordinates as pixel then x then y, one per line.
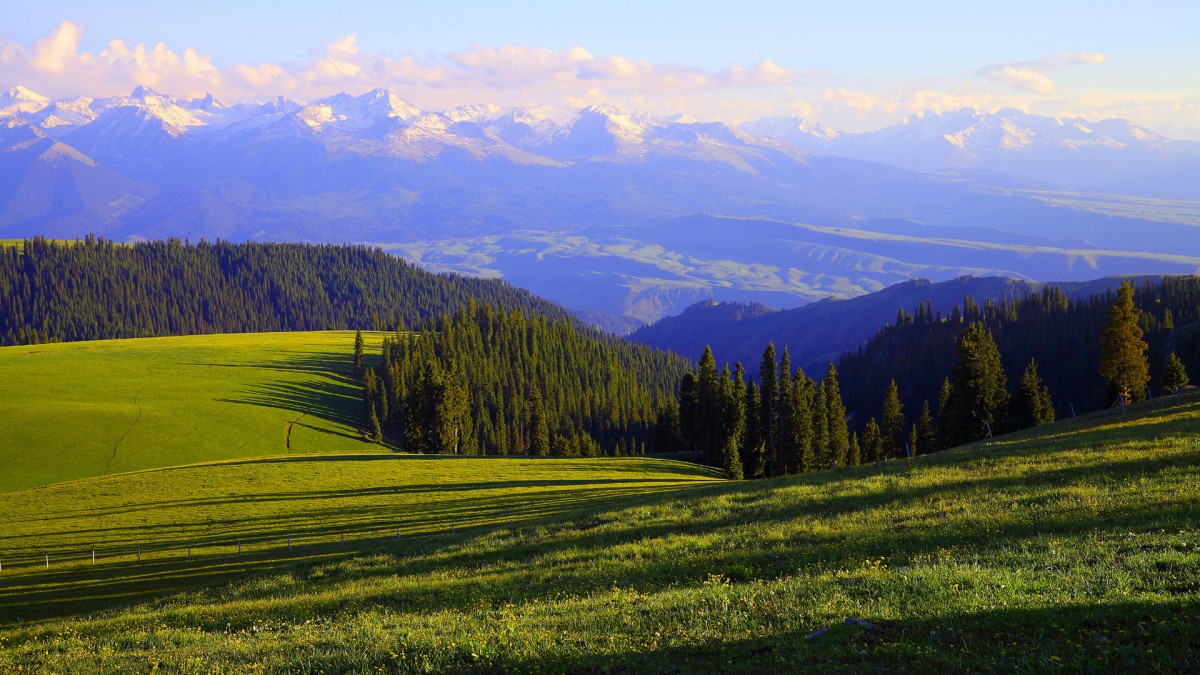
pixel 1070 546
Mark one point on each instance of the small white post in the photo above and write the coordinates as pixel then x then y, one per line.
pixel 47 561
pixel 139 554
pixel 189 551
pixel 239 548
pixel 93 556
pixel 289 543
pixel 989 428
pixel 1072 410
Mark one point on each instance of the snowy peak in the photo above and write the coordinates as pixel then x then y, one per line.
pixel 21 100
pixel 359 112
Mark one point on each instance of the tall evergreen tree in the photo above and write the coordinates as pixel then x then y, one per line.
pixel 945 418
pixel 926 431
pixel 872 441
pixel 358 353
pixel 839 434
pixel 752 445
pixel 539 427
pixel 979 401
pixel 1032 406
pixel 785 415
pixel 1122 350
pixel 855 456
pixel 689 424
pixel 708 408
pixel 768 394
pixel 893 422
pixel 733 417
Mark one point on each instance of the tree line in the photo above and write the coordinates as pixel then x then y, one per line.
pixel 484 381
pixel 94 289
pixel 786 422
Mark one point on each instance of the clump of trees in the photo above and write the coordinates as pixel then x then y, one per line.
pixel 484 381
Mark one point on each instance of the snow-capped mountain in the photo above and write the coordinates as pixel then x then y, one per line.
pixel 1110 155
pixel 560 199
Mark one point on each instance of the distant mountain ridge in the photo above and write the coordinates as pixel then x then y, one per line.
pixel 818 333
pixel 599 209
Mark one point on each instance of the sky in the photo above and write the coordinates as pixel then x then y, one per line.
pixel 851 65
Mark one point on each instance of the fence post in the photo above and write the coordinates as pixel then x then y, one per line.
pixel 47 561
pixel 93 556
pixel 239 548
pixel 139 554
pixel 189 551
pixel 289 543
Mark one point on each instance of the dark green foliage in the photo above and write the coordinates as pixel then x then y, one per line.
pixel 733 421
pixel 1122 350
pixel 1175 375
pixel 768 399
pixel 1032 405
pixel 358 353
pixel 926 431
pixel 373 425
pixel 94 289
pixel 496 383
pixel 1063 334
pixel 667 434
pixel 855 456
pixel 979 400
pixel 893 422
pixel 835 411
pixel 872 441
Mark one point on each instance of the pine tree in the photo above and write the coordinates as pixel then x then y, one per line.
pixel 733 419
pixel 926 431
pixel 839 434
pixel 539 430
pixel 708 408
pixel 872 442
pixel 892 422
pixel 373 422
pixel 1175 376
pixel 945 434
pixel 913 441
pixel 979 401
pixel 1122 350
pixel 753 459
pixel 854 458
pixel 768 394
pixel 358 353
pixel 1032 406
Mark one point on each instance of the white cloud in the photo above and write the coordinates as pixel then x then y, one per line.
pixel 1023 80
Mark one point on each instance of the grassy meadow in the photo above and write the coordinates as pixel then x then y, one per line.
pixel 1071 547
pixel 83 409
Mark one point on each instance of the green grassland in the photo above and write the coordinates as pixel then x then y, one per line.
pixel 83 409
pixel 1071 547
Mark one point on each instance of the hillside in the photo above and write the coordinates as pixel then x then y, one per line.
pixel 84 409
pixel 1070 547
pixel 93 289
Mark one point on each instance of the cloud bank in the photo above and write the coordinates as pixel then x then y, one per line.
pixel 57 66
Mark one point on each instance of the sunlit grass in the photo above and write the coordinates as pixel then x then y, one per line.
pixel 82 409
pixel 1073 547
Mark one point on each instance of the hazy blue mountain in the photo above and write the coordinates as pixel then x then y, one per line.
pixel 600 209
pixel 816 334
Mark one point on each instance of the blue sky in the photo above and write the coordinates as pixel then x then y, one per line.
pixel 851 65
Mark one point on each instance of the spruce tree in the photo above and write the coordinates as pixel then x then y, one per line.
pixel 375 430
pixel 945 434
pixel 892 422
pixel 1175 376
pixel 768 394
pixel 733 421
pixel 1032 406
pixel 980 399
pixel 926 431
pixel 839 434
pixel 872 442
pixel 854 458
pixel 708 408
pixel 358 353
pixel 539 430
pixel 753 449
pixel 1122 350
pixel 786 415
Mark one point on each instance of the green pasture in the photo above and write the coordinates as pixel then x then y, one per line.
pixel 83 409
pixel 1072 547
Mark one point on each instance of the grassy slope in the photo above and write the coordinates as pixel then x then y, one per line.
pixel 92 408
pixel 1073 547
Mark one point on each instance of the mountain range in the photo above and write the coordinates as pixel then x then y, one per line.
pixel 605 210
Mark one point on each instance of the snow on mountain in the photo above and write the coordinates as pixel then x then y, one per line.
pixel 21 100
pixel 804 135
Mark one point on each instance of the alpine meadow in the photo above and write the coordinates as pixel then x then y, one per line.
pixel 611 338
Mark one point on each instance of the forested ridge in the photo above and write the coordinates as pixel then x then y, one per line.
pixel 492 382
pixel 1062 335
pixel 95 289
